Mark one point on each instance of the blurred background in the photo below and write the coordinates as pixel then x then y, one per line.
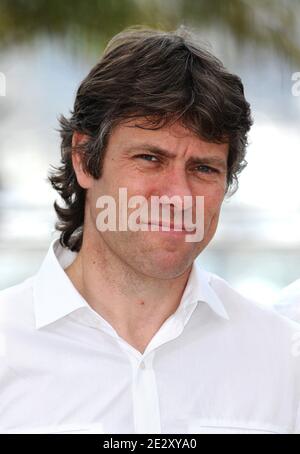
pixel 47 47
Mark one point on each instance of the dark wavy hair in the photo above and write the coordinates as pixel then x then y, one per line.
pixel 163 77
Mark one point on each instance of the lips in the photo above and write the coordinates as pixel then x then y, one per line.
pixel 172 226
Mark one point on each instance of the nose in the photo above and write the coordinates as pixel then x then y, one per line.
pixel 175 184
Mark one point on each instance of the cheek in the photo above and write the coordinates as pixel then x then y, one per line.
pixel 213 202
pixel 99 189
pixel 126 178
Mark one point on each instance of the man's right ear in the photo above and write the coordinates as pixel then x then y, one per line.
pixel 84 179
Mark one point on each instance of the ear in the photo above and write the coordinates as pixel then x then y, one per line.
pixel 84 179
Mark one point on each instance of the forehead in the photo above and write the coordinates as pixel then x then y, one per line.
pixel 175 137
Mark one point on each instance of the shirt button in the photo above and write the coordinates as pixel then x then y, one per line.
pixel 142 365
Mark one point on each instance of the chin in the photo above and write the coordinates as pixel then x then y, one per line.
pixel 167 266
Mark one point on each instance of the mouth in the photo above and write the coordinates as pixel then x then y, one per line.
pixel 171 228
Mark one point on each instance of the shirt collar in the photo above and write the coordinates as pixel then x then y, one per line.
pixel 55 296
pixel 199 289
pixel 53 292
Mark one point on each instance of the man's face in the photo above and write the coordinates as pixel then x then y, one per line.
pixel 192 168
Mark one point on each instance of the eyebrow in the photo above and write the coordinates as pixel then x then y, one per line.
pixel 162 152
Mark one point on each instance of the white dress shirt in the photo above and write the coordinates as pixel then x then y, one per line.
pixel 288 303
pixel 219 363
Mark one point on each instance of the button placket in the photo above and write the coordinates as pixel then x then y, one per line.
pixel 145 397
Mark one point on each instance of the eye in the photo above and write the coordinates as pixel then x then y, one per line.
pixel 207 169
pixel 147 157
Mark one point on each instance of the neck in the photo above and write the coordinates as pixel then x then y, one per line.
pixel 134 304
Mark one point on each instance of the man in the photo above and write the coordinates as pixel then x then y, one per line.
pixel 288 302
pixel 121 331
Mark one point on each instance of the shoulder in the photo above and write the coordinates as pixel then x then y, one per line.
pixel 264 322
pixel 265 340
pixel 266 344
